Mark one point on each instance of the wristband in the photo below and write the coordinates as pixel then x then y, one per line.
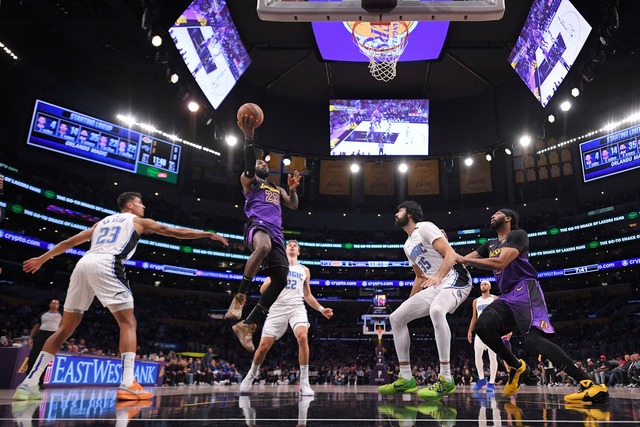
pixel 321 309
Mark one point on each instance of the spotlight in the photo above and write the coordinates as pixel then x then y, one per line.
pixel 525 140
pixel 565 106
pixel 154 38
pixel 468 161
pixel 575 92
pixel 231 140
pixel 507 151
pixel 267 156
pixel 551 118
pixel 172 77
pixel 193 106
pixel 403 168
pixel 355 168
pixel 286 160
pixel 489 157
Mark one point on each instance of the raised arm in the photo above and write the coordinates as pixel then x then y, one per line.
pixel 248 177
pixel 32 265
pixel 290 199
pixel 150 226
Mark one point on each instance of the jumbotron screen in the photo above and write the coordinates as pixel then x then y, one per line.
pixel 75 134
pixel 611 154
pixel 380 127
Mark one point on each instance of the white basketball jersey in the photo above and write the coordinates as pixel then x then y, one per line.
pixel 293 293
pixel 115 235
pixel 482 303
pixel 419 248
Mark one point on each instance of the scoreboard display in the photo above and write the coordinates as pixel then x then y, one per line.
pixel 611 154
pixel 75 134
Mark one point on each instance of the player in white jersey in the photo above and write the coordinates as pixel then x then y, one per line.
pixel 100 273
pixel 440 286
pixel 288 309
pixel 479 304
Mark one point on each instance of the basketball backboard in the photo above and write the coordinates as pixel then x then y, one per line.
pixel 373 322
pixel 406 10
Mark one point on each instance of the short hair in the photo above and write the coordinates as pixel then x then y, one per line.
pixel 413 209
pixel 515 218
pixel 293 241
pixel 126 197
pixel 486 281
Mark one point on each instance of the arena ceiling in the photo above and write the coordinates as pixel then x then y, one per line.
pixel 95 57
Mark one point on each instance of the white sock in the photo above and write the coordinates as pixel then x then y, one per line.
pixel 128 360
pixel 304 373
pixel 254 369
pixel 445 371
pixel 42 361
pixel 405 371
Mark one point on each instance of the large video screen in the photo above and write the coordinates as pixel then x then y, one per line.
pixel 208 41
pixel 335 40
pixel 548 45
pixel 383 127
pixel 75 134
pixel 611 154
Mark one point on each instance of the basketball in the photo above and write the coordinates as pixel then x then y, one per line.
pixel 253 110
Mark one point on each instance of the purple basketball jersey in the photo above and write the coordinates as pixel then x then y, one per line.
pixel 519 269
pixel 262 205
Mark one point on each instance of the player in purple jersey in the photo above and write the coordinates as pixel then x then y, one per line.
pixel 521 308
pixel 262 235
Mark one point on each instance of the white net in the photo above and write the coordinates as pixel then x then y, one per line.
pixel 382 43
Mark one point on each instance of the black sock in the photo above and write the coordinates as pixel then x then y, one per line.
pixel 257 315
pixel 244 285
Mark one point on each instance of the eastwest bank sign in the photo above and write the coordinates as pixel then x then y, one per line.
pixel 76 370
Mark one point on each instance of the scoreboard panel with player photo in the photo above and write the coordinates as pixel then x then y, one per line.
pixel 75 134
pixel 611 154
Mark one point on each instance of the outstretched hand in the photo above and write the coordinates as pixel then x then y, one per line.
pixel 293 181
pixel 32 265
pixel 247 125
pixel 219 238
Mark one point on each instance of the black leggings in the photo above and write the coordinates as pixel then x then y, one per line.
pixel 278 277
pixel 490 328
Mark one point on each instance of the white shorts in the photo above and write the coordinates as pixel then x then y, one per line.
pixel 99 276
pixel 279 317
pixel 447 293
pixel 479 346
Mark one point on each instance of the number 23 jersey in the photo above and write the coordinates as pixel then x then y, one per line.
pixel 115 235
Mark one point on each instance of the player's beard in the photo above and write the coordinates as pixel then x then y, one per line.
pixel 401 222
pixel 262 174
pixel 497 224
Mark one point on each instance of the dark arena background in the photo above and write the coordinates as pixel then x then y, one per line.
pixel 90 66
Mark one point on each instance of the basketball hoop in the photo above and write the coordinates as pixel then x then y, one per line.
pixel 382 43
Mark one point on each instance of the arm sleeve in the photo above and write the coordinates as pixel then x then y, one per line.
pixel 249 158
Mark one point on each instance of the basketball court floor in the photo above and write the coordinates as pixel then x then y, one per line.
pixel 331 406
